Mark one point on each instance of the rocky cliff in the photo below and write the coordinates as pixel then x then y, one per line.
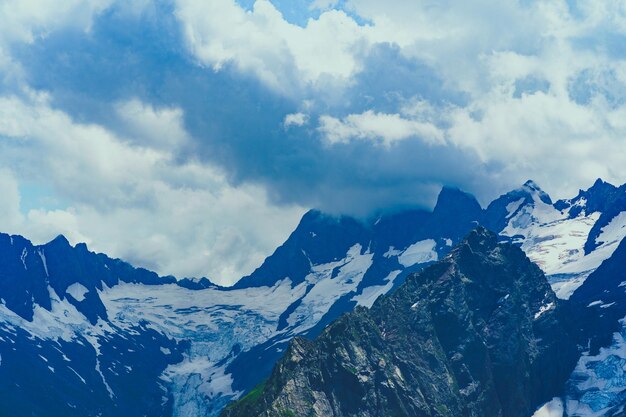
pixel 476 334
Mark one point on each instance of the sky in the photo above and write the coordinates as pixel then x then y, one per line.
pixel 189 136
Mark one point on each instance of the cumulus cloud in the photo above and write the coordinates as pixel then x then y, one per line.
pixel 27 20
pixel 158 127
pixel 10 208
pixel 133 201
pixel 285 56
pixel 190 115
pixel 378 127
pixel 296 119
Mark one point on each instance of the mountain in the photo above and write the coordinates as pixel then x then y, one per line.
pixel 209 345
pixel 597 386
pixel 60 354
pixel 28 273
pixel 602 198
pixel 556 236
pixel 477 334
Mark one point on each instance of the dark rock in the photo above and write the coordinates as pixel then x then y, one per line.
pixel 476 334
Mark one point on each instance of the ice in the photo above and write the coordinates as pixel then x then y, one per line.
pixel 543 309
pixel 554 408
pixel 555 242
pixel 213 320
pixel 614 232
pixel 392 252
pixel 42 255
pixel 328 288
pixel 598 382
pixel 23 257
pixel 511 208
pixel 77 291
pixel 419 253
pixel 370 294
pixel 565 285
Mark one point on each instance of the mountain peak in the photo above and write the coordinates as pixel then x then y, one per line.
pixel 459 326
pixel 481 240
pixel 601 186
pixel 59 240
pixel 453 201
pixel 533 189
pixel 531 184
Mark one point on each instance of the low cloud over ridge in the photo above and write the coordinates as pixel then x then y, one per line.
pixel 173 123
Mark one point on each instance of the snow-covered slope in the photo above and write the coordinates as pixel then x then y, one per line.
pixel 555 236
pixel 597 386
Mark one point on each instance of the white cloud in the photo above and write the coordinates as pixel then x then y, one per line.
pixel 322 4
pixel 286 57
pixel 296 119
pixel 26 20
pixel 161 128
pixel 378 127
pixel 545 136
pixel 10 202
pixel 129 198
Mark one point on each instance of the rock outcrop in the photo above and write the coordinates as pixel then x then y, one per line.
pixel 477 334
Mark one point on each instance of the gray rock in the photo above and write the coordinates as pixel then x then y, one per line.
pixel 476 334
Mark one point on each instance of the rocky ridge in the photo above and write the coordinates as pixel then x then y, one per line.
pixel 478 333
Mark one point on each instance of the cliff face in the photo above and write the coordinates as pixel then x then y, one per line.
pixel 476 334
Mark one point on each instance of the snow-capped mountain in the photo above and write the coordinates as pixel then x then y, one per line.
pixel 102 332
pixel 568 239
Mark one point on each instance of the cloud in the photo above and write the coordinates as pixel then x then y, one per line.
pixel 386 128
pixel 27 20
pixel 157 127
pixel 296 119
pixel 10 207
pixel 190 114
pixel 286 57
pixel 133 201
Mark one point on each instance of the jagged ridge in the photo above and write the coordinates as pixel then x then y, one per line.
pixel 476 334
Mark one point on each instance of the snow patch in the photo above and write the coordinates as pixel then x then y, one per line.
pixel 419 253
pixel 77 291
pixel 42 255
pixel 512 208
pixel 392 252
pixel 370 294
pixel 564 286
pixel 598 382
pixel 329 282
pixel 554 408
pixel 23 257
pixel 543 309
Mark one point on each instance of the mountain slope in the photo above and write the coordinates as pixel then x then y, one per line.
pixel 224 341
pixel 597 386
pixel 476 334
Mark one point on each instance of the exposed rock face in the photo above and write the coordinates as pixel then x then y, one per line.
pixel 476 334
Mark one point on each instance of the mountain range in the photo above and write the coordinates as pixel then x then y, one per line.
pixel 83 334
